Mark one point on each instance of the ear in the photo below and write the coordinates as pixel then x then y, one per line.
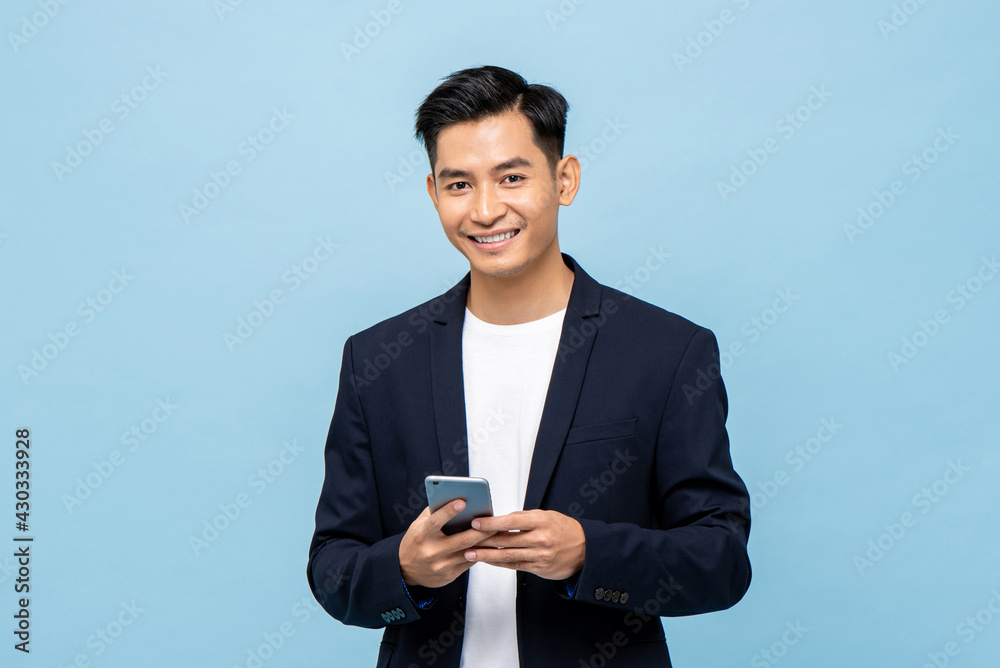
pixel 432 190
pixel 568 179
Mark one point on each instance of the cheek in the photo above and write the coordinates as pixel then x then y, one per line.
pixel 531 205
pixel 534 202
pixel 451 215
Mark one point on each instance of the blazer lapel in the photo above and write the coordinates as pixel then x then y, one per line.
pixel 575 343
pixel 447 386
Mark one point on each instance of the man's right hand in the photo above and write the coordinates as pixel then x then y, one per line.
pixel 430 558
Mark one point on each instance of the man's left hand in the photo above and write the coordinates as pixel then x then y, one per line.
pixel 544 542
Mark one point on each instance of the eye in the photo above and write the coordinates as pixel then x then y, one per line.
pixel 513 178
pixel 458 185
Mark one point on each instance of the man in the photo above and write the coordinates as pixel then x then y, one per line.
pixel 597 418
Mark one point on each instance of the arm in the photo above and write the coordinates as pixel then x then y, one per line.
pixel 696 560
pixel 359 576
pixel 353 570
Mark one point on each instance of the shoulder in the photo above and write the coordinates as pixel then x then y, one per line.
pixel 629 315
pixel 626 316
pixel 412 324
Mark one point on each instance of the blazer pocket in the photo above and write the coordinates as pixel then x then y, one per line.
pixel 588 433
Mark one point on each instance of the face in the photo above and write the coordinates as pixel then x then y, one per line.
pixel 496 194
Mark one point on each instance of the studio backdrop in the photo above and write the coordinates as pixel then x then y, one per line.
pixel 200 201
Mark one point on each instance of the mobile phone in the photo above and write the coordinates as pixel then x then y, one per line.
pixel 441 489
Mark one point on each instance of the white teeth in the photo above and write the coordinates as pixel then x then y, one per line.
pixel 495 237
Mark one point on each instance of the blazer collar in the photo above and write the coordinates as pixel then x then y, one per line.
pixel 584 296
pixel 575 344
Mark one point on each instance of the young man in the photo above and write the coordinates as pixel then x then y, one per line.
pixel 589 412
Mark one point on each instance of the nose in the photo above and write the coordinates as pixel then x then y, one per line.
pixel 487 207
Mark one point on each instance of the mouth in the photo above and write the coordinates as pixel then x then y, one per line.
pixel 494 241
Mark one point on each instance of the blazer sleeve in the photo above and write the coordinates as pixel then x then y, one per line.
pixel 353 571
pixel 695 559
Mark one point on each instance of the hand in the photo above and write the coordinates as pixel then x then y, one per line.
pixel 427 556
pixel 547 543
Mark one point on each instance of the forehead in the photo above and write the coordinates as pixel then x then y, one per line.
pixel 495 137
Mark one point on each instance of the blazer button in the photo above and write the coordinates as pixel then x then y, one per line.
pixel 599 593
pixel 607 594
pixel 624 597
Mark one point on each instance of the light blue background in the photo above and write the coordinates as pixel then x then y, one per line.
pixel 324 176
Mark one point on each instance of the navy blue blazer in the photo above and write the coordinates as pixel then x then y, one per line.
pixel 632 443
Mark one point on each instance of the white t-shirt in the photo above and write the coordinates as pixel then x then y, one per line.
pixel 506 371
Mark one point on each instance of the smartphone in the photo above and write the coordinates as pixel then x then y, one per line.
pixel 475 491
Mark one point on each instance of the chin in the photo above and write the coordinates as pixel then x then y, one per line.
pixel 494 270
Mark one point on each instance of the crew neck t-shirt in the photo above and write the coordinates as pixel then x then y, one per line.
pixel 506 371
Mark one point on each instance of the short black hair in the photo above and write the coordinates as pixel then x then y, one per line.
pixel 477 93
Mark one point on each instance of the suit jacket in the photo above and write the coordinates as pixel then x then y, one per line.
pixel 632 443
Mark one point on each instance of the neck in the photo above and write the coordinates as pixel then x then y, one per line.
pixel 527 295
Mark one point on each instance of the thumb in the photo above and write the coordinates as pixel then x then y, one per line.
pixel 449 510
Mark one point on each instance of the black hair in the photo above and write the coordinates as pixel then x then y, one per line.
pixel 477 93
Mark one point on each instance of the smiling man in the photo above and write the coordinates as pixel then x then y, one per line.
pixel 587 410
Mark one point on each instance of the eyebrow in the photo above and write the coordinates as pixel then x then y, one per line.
pixel 513 163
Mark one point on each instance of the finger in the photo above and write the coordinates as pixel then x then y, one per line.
pixel 449 510
pixel 506 539
pixel 466 539
pixel 501 555
pixel 515 521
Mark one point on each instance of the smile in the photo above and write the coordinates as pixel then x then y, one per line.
pixel 496 237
